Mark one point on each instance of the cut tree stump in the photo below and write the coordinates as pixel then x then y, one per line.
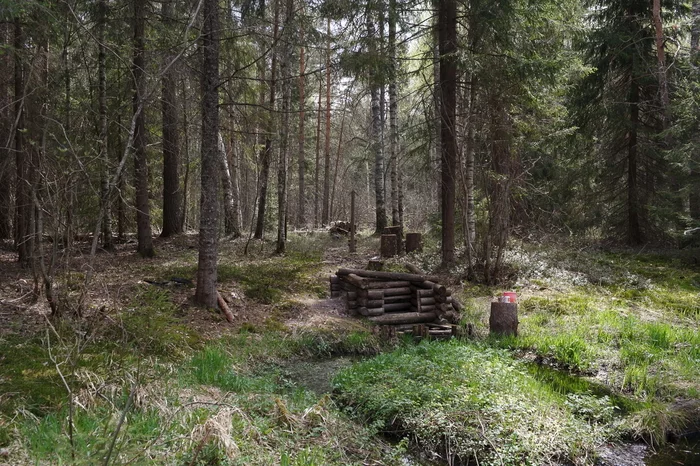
pixel 389 245
pixel 504 319
pixel 414 242
pixel 396 230
pixel 375 265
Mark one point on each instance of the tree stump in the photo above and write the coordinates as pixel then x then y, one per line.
pixel 504 319
pixel 395 230
pixel 375 265
pixel 389 245
pixel 414 242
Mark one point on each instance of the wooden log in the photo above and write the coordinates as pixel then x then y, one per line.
pixel 335 279
pixel 398 276
pixel 352 304
pixel 397 307
pixel 421 293
pixel 397 291
pixel 420 330
pixel 389 245
pixel 398 299
pixel 404 318
pixel 351 295
pixel 414 269
pixel 437 288
pixel 353 279
pixel 457 305
pixel 415 301
pixel 377 285
pixel 375 265
pixel 224 307
pixel 414 242
pixel 335 294
pixel 371 312
pixel 371 294
pixel 427 308
pixel 504 319
pixel 370 303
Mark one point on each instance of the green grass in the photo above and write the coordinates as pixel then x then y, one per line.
pixel 474 402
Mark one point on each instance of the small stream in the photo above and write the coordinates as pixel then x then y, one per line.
pixel 683 452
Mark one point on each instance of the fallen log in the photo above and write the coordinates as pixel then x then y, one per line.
pixel 224 307
pixel 353 280
pixel 377 285
pixel 404 318
pixel 457 305
pixel 371 294
pixel 397 299
pixel 352 295
pixel 414 269
pixel 371 312
pixel 387 275
pixel 437 288
pixel 397 307
pixel 397 291
pixel 423 309
pixel 422 301
pixel 370 302
pixel 429 293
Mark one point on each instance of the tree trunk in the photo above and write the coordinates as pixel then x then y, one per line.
pixel 5 137
pixel 23 201
pixel 230 226
pixel 318 154
pixel 694 197
pixel 447 42
pixel 327 152
pixel 339 152
pixel 266 156
pixel 172 195
pixel 393 114
pixel 286 72
pixel 206 293
pixel 661 60
pixel 634 232
pixel 234 164
pixel 143 210
pixel 105 198
pixel 301 207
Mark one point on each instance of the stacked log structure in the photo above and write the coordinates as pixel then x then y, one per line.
pixel 396 299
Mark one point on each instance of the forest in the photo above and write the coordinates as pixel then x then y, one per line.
pixel 185 186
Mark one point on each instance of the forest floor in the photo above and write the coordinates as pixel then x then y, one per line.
pixel 608 354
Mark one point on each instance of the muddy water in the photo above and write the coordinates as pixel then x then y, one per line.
pixel 685 451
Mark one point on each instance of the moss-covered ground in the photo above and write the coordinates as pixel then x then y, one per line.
pixel 608 351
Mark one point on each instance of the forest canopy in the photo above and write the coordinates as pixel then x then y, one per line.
pixel 474 120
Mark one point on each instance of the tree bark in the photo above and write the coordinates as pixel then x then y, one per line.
pixel 172 194
pixel 318 154
pixel 634 232
pixel 327 152
pixel 286 72
pixel 143 210
pixel 231 227
pixel 694 197
pixel 447 42
pixel 393 117
pixel 266 156
pixel 5 137
pixel 301 207
pixel 661 60
pixel 23 201
pixel 206 293
pixel 105 198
